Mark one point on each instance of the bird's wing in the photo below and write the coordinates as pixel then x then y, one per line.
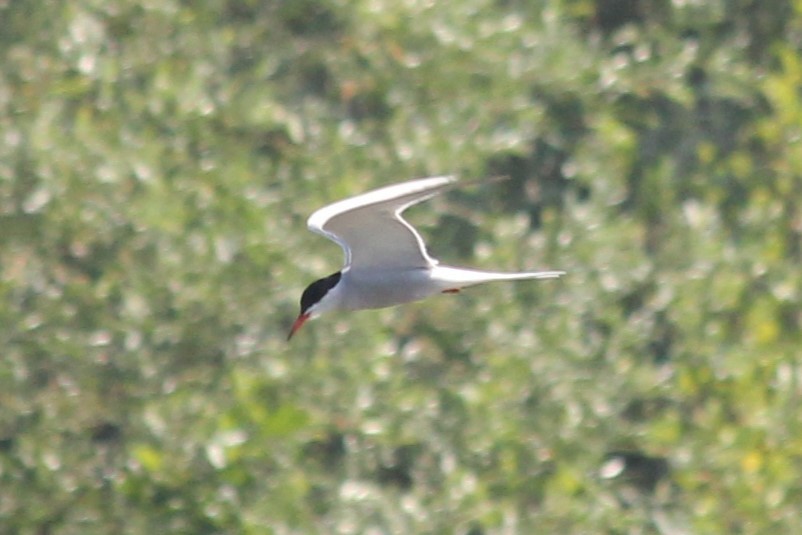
pixel 370 229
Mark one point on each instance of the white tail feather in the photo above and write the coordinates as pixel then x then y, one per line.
pixel 451 276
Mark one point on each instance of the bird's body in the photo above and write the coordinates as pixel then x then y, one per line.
pixel 386 259
pixel 380 289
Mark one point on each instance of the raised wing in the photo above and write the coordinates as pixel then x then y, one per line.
pixel 370 229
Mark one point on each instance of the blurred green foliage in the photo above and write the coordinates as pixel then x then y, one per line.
pixel 158 161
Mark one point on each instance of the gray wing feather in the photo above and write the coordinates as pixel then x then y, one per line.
pixel 370 229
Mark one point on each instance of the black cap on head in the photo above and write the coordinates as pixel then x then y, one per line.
pixel 315 291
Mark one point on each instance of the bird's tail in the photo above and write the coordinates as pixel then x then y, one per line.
pixel 460 277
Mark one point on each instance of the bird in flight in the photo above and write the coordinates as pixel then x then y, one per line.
pixel 386 262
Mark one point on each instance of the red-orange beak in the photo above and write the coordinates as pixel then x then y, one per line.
pixel 298 324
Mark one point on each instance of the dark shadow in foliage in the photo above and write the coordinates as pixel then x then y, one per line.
pixel 369 104
pixel 315 76
pixel 456 239
pixel 475 529
pixel 641 409
pixel 636 469
pixel 536 182
pixel 668 130
pixel 244 10
pixel 314 18
pixel 328 451
pixel 758 21
pixel 612 14
pixel 537 179
pixel 105 433
pixel 398 471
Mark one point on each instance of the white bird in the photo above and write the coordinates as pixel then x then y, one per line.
pixel 386 262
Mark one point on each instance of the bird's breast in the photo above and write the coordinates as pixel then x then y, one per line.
pixel 379 289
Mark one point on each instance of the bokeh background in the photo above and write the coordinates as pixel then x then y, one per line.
pixel 158 160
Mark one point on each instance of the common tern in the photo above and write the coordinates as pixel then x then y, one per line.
pixel 386 262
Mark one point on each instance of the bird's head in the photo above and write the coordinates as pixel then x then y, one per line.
pixel 316 299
